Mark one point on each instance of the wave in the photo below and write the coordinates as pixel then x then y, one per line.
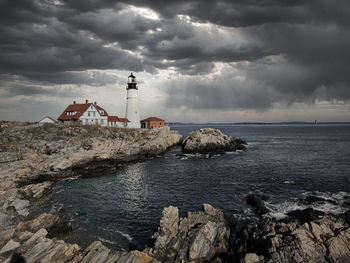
pixel 73 178
pixel 107 241
pixel 127 236
pixel 333 204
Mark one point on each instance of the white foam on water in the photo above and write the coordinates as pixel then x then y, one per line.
pixel 289 182
pixel 334 207
pixel 107 241
pixel 127 236
pixel 72 178
pixel 280 210
pixel 60 190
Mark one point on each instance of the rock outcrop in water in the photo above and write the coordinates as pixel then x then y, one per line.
pixel 209 140
pixel 200 237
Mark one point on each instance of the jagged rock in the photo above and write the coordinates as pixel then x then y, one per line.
pixel 306 215
pixel 257 200
pixel 200 237
pixel 36 191
pixel 21 206
pixel 311 199
pixel 41 249
pixel 209 140
pixel 53 223
pixel 325 239
pixel 10 247
pixel 5 236
pixel 96 252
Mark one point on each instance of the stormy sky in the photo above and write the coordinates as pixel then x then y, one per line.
pixel 195 61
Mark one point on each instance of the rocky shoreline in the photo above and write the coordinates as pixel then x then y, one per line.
pixel 32 158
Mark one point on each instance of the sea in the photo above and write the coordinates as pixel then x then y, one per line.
pixel 284 161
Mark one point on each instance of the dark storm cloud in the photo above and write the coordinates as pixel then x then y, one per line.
pixel 29 91
pixel 219 93
pixel 287 51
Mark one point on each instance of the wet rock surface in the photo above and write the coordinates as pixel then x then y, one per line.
pixel 257 200
pixel 209 140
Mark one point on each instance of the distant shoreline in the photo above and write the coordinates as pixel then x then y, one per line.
pixel 256 123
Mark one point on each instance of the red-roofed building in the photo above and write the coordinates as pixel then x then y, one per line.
pixel 115 121
pixel 152 122
pixel 90 113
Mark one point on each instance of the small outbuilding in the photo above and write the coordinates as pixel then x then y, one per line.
pixel 152 122
pixel 47 119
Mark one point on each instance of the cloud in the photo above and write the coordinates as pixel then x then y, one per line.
pixel 282 51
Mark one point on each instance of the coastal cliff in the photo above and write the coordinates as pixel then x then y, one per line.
pixel 33 157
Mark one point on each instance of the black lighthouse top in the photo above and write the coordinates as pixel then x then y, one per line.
pixel 132 84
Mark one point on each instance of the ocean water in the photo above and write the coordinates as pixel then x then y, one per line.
pixel 286 162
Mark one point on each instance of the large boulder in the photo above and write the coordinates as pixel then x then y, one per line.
pixel 209 140
pixel 200 237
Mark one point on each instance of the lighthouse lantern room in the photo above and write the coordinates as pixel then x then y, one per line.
pixel 132 103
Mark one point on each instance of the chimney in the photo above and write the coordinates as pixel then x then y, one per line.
pixel 74 102
pixel 95 103
pixel 86 102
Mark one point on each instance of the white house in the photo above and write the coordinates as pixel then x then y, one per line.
pixel 47 119
pixel 90 113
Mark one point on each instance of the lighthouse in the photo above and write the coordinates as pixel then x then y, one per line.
pixel 132 103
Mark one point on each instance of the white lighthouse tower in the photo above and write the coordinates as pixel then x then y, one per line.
pixel 132 103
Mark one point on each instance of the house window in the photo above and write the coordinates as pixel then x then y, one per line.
pixel 94 113
pixel 91 107
pixel 89 113
pixel 101 121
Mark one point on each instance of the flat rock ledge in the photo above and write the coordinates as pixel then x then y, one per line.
pixel 209 140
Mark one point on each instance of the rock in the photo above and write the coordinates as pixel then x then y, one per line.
pixel 21 206
pixel 325 239
pixel 55 224
pixel 96 252
pixel 5 236
pixel 209 140
pixel 10 247
pixel 170 220
pixel 257 200
pixel 311 199
pixel 202 236
pixel 252 258
pixel 305 215
pixel 36 191
pixel 41 249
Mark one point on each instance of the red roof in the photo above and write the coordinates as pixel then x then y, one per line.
pixel 79 109
pixel 113 118
pixel 100 108
pixel 152 119
pixel 124 120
